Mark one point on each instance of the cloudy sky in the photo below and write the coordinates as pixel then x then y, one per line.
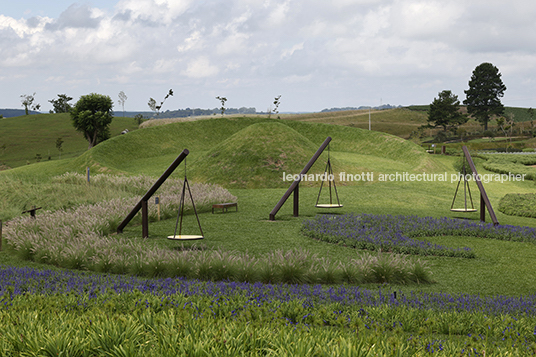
pixel 316 54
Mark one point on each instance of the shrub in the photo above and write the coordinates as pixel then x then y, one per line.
pixel 516 204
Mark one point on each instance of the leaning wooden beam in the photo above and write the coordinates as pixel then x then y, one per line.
pixel 484 200
pixel 152 190
pixel 294 187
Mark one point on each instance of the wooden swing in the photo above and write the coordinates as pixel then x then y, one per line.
pixel 466 189
pixel 328 172
pixel 180 214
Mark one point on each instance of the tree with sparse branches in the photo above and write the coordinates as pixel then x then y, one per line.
pixel 445 111
pixel 156 108
pixel 222 101
pixel 152 105
pixel 92 115
pixel 27 102
pixel 61 104
pixel 506 124
pixel 484 93
pixel 122 99
pixel 277 101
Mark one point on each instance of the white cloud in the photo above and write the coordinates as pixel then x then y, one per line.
pixel 340 52
pixel 298 79
pixel 200 68
pixel 287 53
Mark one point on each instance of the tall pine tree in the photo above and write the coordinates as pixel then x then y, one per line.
pixel 485 89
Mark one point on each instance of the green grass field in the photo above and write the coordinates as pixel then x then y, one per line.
pixel 26 136
pixel 216 146
pixel 249 155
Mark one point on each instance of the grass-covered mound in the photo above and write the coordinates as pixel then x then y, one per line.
pixel 256 156
pixel 517 204
pixel 151 150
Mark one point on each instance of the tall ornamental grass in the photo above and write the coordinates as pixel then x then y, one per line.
pixel 79 238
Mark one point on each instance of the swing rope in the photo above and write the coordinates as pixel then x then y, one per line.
pixel 329 171
pixel 466 189
pixel 181 207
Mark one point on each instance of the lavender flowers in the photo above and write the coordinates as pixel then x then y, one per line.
pixel 396 233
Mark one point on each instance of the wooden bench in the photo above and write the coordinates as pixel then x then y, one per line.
pixel 225 206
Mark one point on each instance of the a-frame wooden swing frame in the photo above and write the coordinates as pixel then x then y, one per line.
pixel 484 200
pixel 328 172
pixel 466 190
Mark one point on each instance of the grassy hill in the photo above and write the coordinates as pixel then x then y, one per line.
pixel 400 122
pixel 235 153
pixel 25 137
pixel 248 152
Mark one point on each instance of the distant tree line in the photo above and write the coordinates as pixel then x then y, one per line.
pixel 381 107
pixel 188 112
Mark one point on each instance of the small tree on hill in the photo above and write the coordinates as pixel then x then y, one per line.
pixel 485 89
pixel 92 115
pixel 156 108
pixel 222 100
pixel 59 145
pixel 27 102
pixel 506 124
pixel 445 111
pixel 61 104
pixel 122 99
pixel 138 118
pixel 277 101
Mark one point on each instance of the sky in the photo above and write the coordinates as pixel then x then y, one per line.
pixel 316 54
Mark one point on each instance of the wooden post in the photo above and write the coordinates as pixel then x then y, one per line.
pixel 297 201
pixel 484 200
pixel 296 182
pixel 144 219
pixel 157 201
pixel 482 209
pixel 153 189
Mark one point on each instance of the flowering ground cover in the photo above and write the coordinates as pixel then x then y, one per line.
pixel 15 281
pixel 51 312
pixel 398 233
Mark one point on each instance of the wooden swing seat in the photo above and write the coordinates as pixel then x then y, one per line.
pixel 328 205
pixel 185 237
pixel 463 209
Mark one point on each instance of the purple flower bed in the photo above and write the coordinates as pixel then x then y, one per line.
pixel 19 281
pixel 390 233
